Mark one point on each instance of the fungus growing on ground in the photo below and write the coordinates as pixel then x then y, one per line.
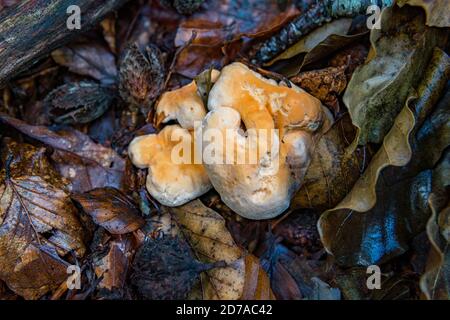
pixel 281 126
pixel 256 172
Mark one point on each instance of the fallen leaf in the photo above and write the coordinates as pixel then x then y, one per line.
pixel 75 103
pixel 257 283
pixel 86 164
pixel 435 282
pixel 165 269
pixel 109 31
pixel 333 171
pixel 206 233
pixel 378 90
pixel 110 209
pixel 436 11
pixel 114 265
pixel 38 223
pixel 91 60
pixel 375 221
pixel 314 38
pixel 218 25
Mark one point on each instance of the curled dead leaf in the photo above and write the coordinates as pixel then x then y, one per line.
pixel 38 222
pixel 111 209
pixel 378 90
pixel 86 164
pixel 89 60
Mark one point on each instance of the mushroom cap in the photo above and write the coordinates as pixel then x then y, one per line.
pixel 184 105
pixel 171 182
pixel 261 189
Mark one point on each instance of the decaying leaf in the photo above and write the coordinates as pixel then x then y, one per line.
pixel 38 222
pixel 86 164
pixel 377 218
pixel 113 266
pixel 257 283
pixel 379 89
pixel 111 209
pixel 437 11
pixel 208 237
pixel 81 102
pixel 89 60
pixel 217 25
pixel 314 38
pixel 165 268
pixel 332 172
pixel 435 282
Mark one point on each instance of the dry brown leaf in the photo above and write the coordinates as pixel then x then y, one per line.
pixel 437 11
pixel 435 282
pixel 114 265
pixel 86 164
pixel 111 209
pixel 218 24
pixel 210 240
pixel 38 223
pixel 88 60
pixel 257 283
pixel 332 172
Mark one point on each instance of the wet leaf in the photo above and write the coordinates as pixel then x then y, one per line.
pixel 333 171
pixel 257 283
pixel 111 209
pixel 76 103
pixel 113 266
pixel 38 222
pixel 436 11
pixel 88 60
pixel 165 268
pixel 86 164
pixel 435 282
pixel 377 218
pixel 209 239
pixel 218 24
pixel 379 89
pixel 314 38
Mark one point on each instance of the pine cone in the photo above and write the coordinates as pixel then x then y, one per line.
pixel 141 76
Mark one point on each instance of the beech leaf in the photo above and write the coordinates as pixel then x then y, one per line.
pixel 378 90
pixel 38 223
pixel 111 209
pixel 86 164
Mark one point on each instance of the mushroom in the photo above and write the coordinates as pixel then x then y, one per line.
pixel 281 123
pixel 184 105
pixel 173 177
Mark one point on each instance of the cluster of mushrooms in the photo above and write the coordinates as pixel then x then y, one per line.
pixel 240 99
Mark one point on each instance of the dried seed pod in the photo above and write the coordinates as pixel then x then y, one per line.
pixel 141 76
pixel 78 102
pixel 165 269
